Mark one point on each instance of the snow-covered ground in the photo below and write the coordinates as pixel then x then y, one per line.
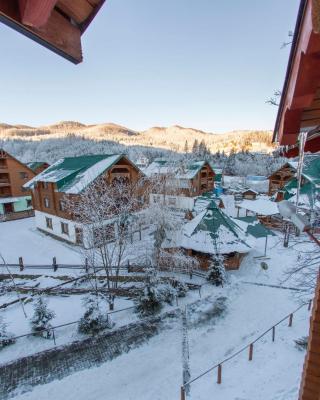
pixel 154 370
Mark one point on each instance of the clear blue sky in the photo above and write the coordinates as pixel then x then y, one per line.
pixel 199 63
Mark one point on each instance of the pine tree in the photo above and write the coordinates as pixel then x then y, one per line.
pixel 195 147
pixel 150 302
pixel 6 338
pixel 93 320
pixel 216 272
pixel 186 147
pixel 40 322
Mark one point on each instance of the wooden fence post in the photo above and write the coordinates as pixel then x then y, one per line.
pixel 54 264
pixel 183 394
pixel 309 305
pixel 21 264
pixel 86 267
pixel 290 319
pixel 251 352
pixel 273 333
pixel 140 234
pixel 219 379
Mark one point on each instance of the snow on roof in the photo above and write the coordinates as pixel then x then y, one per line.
pixel 5 200
pixel 35 164
pixel 73 174
pixel 180 170
pixel 260 206
pixel 211 231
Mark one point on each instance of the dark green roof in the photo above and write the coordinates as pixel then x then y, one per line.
pixel 255 228
pixel 73 174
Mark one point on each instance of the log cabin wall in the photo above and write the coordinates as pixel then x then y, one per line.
pixel 278 179
pixel 310 382
pixel 13 175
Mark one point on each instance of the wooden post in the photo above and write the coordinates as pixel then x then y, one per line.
pixel 54 337
pixel 128 266
pixel 183 393
pixel 21 263
pixel 290 319
pixel 140 234
pixel 86 266
pixel 273 333
pixel 54 264
pixel 309 305
pixel 219 379
pixel 251 352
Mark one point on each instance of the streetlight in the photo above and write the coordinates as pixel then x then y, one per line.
pixel 289 212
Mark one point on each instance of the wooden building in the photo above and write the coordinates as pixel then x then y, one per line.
pixel 69 177
pixel 15 200
pixel 299 111
pixel 299 108
pixel 178 184
pixel 37 166
pixel 213 232
pixel 281 177
pixel 55 24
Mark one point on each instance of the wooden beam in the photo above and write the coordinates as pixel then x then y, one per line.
pixel 78 10
pixel 58 35
pixel 36 13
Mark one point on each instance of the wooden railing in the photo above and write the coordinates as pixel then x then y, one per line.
pixel 16 215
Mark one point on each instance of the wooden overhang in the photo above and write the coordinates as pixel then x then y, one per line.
pixel 299 108
pixel 55 24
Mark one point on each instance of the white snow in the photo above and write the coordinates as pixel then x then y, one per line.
pixel 153 371
pixel 260 206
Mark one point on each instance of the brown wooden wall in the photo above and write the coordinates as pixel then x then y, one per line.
pixel 13 175
pixel 279 178
pixel 310 383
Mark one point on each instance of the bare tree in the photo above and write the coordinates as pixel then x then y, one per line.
pixel 107 214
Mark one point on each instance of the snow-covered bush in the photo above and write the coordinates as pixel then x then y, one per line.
pixel 93 320
pixel 6 338
pixel 40 321
pixel 167 293
pixel 150 301
pixel 216 271
pixel 180 288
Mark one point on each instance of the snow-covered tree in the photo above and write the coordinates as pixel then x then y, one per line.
pixel 93 320
pixel 6 338
pixel 216 271
pixel 106 211
pixel 40 321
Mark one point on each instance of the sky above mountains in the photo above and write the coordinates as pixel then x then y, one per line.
pixel 203 64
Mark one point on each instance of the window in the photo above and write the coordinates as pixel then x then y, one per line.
pixel 61 205
pixel 46 202
pixel 172 201
pixel 45 185
pixel 23 175
pixel 49 223
pixel 64 228
pixel 29 203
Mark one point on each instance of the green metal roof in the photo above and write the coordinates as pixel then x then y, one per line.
pixel 73 174
pixel 213 219
pixel 255 228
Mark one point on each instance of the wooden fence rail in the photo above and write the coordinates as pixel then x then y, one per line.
pixel 249 347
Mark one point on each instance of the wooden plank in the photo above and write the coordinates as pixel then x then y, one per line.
pixel 36 13
pixel 58 35
pixel 78 10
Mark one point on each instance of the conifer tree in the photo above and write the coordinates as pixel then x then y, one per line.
pixel 216 272
pixel 40 322
pixel 6 338
pixel 93 320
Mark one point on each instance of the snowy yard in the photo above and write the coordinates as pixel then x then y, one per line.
pixel 154 371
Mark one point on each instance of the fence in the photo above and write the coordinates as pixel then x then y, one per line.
pixel 249 347
pixel 17 215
